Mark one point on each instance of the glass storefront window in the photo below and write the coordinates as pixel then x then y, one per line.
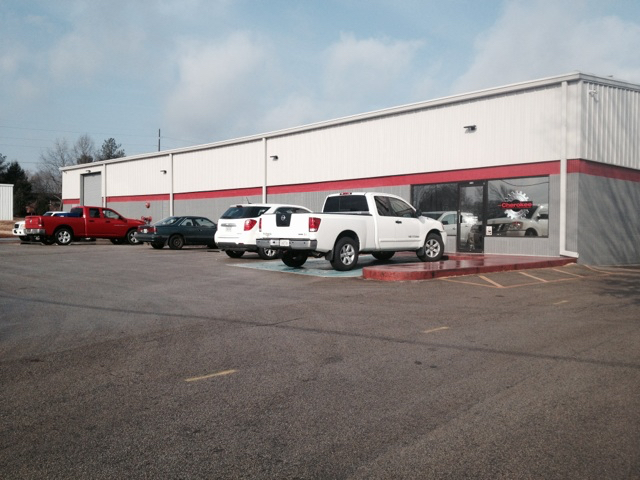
pixel 439 197
pixel 518 207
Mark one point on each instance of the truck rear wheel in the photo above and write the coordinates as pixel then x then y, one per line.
pixel 267 253
pixel 345 254
pixel 63 236
pixel 294 259
pixel 234 253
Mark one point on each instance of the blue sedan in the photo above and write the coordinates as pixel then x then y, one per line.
pixel 178 232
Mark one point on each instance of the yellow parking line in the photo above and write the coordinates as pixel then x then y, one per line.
pixel 435 329
pixel 561 302
pixel 486 279
pixel 211 375
pixel 568 273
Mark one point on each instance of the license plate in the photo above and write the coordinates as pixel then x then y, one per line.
pixel 284 243
pixel 228 229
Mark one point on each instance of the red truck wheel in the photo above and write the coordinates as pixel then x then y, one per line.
pixel 63 236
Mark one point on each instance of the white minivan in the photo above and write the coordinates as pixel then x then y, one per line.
pixel 238 228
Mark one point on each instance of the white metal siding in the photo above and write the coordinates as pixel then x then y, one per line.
pixel 6 201
pixel 222 168
pixel 611 128
pixel 140 177
pixel 510 129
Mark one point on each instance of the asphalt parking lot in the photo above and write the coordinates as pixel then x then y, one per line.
pixel 120 361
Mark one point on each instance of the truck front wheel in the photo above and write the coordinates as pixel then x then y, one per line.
pixel 433 248
pixel 345 254
pixel 294 259
pixel 63 236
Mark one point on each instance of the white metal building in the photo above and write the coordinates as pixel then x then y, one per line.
pixel 6 201
pixel 570 143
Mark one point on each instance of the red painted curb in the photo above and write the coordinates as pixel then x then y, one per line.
pixel 457 265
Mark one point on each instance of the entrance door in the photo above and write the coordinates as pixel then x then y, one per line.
pixel 470 237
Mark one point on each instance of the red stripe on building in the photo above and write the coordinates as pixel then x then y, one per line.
pixel 596 169
pixel 449 176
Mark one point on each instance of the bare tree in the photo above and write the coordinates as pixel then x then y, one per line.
pixel 51 162
pixel 84 150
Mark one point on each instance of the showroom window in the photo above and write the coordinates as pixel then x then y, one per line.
pixel 437 197
pixel 518 207
pixel 515 207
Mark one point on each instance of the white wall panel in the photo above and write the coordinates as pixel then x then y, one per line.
pixel 221 168
pixel 71 184
pixel 511 129
pixel 139 177
pixel 611 128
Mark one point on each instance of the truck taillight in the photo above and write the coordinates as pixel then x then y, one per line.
pixel 314 224
pixel 249 223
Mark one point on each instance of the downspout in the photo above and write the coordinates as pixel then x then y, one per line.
pixel 104 186
pixel 171 184
pixel 264 183
pixel 563 174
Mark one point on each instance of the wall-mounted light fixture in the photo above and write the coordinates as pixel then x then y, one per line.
pixel 274 158
pixel 469 128
pixel 87 171
pixel 164 172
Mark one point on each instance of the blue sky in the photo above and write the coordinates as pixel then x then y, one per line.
pixel 210 70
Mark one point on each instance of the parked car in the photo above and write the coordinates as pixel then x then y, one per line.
pixel 239 228
pixel 178 231
pixel 449 220
pixel 534 222
pixel 18 227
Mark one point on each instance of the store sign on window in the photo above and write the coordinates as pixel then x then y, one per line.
pixel 516 205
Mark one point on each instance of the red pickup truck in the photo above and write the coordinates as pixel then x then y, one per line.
pixel 84 222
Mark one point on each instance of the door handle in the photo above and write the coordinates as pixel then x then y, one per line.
pixel 398 221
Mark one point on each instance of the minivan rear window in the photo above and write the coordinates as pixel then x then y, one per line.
pixel 244 212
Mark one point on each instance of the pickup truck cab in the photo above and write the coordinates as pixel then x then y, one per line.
pixel 353 223
pixel 84 222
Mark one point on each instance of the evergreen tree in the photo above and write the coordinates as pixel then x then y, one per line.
pixel 110 149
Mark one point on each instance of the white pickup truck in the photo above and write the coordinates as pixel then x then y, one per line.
pixel 352 223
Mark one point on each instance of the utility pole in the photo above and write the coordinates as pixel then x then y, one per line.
pixel 158 139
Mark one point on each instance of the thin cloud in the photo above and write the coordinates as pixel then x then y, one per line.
pixel 359 71
pixel 217 86
pixel 545 38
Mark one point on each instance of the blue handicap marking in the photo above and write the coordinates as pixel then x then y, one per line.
pixel 318 267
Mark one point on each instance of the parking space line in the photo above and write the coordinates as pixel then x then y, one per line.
pixel 211 375
pixel 496 284
pixel 568 273
pixel 435 329
pixel 533 276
